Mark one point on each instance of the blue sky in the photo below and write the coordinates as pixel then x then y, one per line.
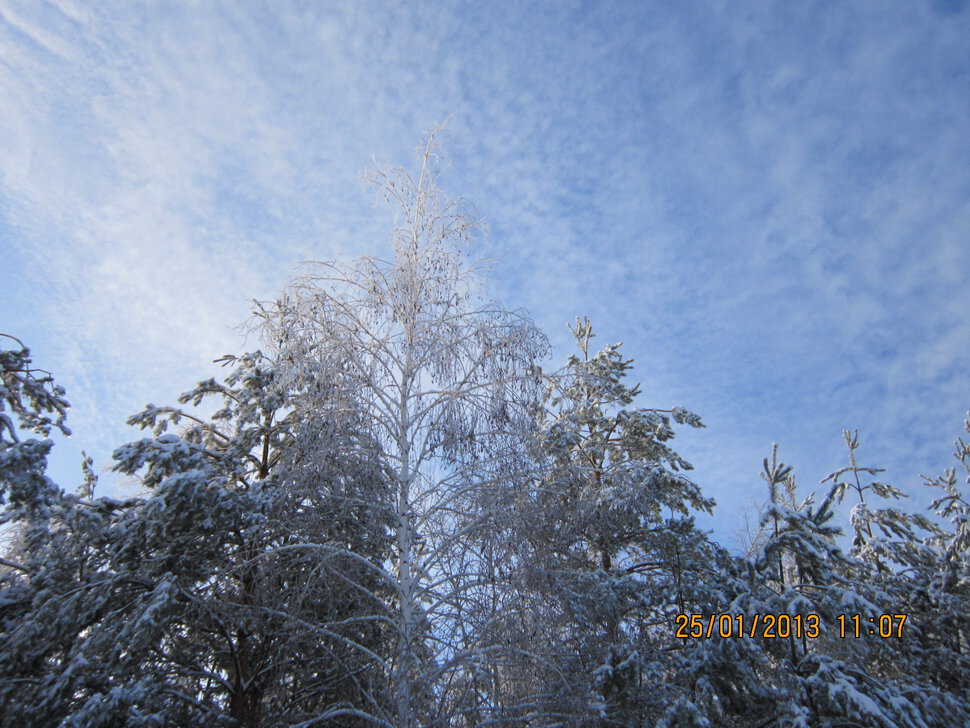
pixel 768 202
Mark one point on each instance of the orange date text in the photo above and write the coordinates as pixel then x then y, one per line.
pixel 784 626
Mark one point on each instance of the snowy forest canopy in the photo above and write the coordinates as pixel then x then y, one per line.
pixel 393 516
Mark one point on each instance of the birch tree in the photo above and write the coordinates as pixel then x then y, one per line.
pixel 442 379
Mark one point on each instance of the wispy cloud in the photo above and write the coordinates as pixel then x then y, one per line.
pixel 767 202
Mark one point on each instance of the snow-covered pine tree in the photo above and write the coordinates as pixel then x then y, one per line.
pixel 442 380
pixel 241 591
pixel 291 609
pixel 51 591
pixel 897 565
pixel 30 402
pixel 931 582
pixel 882 535
pixel 819 679
pixel 609 553
pixel 948 589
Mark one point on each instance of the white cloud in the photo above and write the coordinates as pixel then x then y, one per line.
pixel 769 206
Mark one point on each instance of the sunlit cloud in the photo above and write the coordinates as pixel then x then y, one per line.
pixel 769 205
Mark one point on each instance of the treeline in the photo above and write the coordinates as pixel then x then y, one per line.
pixel 391 516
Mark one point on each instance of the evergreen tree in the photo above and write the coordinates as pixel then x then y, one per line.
pixel 930 581
pixel 30 402
pixel 825 678
pixel 385 523
pixel 609 552
pixel 239 592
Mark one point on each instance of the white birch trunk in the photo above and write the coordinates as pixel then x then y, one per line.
pixel 442 378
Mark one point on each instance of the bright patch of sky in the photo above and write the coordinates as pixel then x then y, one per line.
pixel 769 202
